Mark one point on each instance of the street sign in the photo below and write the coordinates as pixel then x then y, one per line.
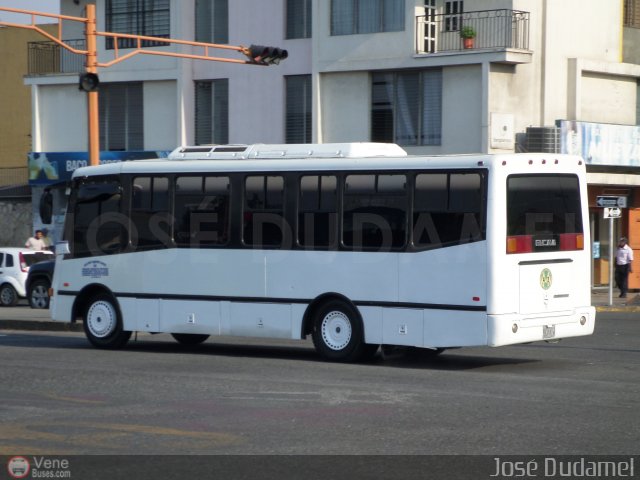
pixel 612 212
pixel 611 201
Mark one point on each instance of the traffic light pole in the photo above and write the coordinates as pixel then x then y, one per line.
pixel 257 54
pixel 93 117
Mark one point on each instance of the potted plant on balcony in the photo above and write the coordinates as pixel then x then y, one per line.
pixel 468 35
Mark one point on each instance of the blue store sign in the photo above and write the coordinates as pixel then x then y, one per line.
pixel 46 168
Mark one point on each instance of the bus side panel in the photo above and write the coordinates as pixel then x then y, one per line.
pixel 454 328
pixel 190 316
pixel 453 276
pixel 260 320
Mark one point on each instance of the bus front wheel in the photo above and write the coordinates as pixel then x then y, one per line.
pixel 338 334
pixel 103 324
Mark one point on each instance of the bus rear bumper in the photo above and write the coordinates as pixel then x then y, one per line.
pixel 552 326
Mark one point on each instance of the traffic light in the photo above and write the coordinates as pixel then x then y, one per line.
pixel 265 55
pixel 88 82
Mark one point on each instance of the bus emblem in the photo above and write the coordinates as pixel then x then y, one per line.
pixel 546 279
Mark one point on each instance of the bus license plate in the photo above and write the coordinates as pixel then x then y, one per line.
pixel 548 331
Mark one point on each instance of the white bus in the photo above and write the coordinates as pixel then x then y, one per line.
pixel 357 245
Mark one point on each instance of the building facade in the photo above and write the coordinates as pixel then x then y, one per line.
pixel 531 75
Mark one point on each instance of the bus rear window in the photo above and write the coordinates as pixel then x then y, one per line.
pixel 543 213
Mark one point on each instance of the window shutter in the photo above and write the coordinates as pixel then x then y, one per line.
pixel 298 109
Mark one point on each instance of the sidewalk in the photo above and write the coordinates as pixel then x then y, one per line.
pixel 600 300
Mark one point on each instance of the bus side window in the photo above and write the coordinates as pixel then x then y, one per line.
pixel 99 224
pixel 375 211
pixel 263 214
pixel 447 209
pixel 318 211
pixel 202 211
pixel 150 213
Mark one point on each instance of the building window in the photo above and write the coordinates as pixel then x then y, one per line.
pixel 406 108
pixel 212 21
pixel 453 10
pixel 298 109
pixel 212 112
pixel 121 116
pixel 298 19
pixel 349 17
pixel 138 17
pixel 632 13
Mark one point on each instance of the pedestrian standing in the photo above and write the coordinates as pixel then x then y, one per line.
pixel 624 258
pixel 36 242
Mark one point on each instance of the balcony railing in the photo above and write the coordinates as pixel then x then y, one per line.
pixel 494 29
pixel 50 58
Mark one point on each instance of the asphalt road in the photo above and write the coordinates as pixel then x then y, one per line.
pixel 59 396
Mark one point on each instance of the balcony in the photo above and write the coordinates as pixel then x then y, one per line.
pixel 494 30
pixel 49 58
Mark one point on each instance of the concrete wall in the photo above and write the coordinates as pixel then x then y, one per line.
pixel 345 107
pixel 608 99
pixel 16 222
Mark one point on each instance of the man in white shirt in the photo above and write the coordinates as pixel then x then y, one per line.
pixel 624 258
pixel 36 242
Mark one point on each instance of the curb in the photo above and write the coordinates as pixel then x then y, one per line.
pixel 39 326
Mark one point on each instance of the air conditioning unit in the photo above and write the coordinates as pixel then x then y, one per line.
pixel 543 139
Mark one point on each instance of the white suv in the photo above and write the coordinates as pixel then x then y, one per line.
pixel 14 266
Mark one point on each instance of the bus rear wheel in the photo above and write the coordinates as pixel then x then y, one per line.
pixel 190 338
pixel 338 334
pixel 103 323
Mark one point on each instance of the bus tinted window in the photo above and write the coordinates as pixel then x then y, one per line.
pixel 201 211
pixel 543 205
pixel 317 211
pixel 448 209
pixel 263 221
pixel 98 227
pixel 150 212
pixel 375 211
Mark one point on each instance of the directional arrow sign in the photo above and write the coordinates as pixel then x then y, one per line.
pixel 611 201
pixel 612 212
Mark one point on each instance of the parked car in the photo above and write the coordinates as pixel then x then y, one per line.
pixel 39 282
pixel 14 267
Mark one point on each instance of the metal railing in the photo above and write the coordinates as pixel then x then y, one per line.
pixel 491 29
pixel 50 58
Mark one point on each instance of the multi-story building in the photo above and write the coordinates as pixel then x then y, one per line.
pixel 536 75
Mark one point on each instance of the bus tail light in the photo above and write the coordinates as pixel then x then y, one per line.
pixel 520 244
pixel 572 241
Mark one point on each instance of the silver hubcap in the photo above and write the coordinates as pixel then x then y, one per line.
pixel 336 330
pixel 39 296
pixel 101 319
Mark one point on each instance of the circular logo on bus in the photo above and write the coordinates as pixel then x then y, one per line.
pixel 546 279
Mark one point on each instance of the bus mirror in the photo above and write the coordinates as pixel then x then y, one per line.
pixel 46 207
pixel 62 248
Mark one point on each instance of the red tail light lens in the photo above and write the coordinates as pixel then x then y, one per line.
pixel 520 244
pixel 572 241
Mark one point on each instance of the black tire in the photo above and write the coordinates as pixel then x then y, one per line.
pixel 8 296
pixel 338 334
pixel 190 338
pixel 39 294
pixel 103 323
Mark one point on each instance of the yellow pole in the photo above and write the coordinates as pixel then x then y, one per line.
pixel 92 97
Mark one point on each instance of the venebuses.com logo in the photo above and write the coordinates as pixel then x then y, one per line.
pixel 38 467
pixel 18 467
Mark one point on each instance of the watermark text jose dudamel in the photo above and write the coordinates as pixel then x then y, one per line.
pixel 554 467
